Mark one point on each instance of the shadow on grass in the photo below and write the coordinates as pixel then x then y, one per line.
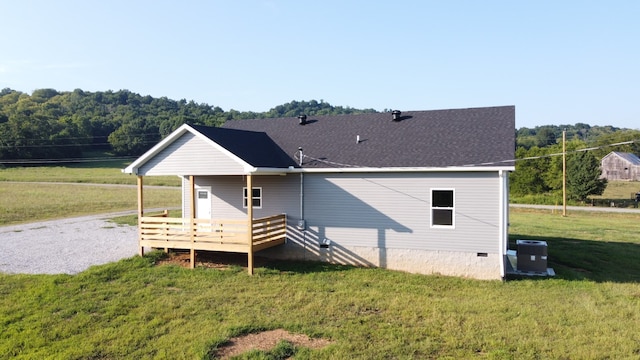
pixel 262 265
pixel 305 267
pixel 600 261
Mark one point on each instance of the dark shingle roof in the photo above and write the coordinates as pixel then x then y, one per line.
pixel 437 138
pixel 256 148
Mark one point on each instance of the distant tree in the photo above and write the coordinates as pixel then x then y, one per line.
pixel 553 174
pixel 617 137
pixel 545 137
pixel 133 138
pixel 583 176
pixel 548 135
pixel 42 95
pixel 529 175
pixel 5 91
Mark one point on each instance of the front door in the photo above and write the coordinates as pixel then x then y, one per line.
pixel 203 203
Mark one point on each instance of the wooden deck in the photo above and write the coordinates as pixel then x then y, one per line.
pixel 165 232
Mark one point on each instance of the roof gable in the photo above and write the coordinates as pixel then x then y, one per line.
pixel 191 155
pixel 185 144
pixel 437 138
pixel 255 148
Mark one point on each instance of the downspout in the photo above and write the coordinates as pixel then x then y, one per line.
pixel 301 196
pixel 301 186
pixel 301 224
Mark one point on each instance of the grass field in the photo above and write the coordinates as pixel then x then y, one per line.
pixel 133 309
pixel 28 202
pixel 25 195
pixel 618 192
pixel 584 246
pixel 98 173
pixel 136 309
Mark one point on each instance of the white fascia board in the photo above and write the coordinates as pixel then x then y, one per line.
pixel 403 169
pixel 133 167
pixel 268 171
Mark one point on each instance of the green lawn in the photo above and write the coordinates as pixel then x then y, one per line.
pixel 133 309
pixel 26 196
pixel 619 190
pixel 28 202
pixel 99 173
pixel 620 193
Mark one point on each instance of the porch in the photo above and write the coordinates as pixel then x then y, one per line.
pixel 161 231
pixel 247 235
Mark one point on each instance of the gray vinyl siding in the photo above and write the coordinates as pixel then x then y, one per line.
pixel 371 210
pixel 190 155
pixel 280 194
pixel 393 210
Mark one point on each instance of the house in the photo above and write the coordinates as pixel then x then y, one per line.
pixel 419 191
pixel 620 166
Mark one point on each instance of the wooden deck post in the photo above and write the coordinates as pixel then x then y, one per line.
pixel 192 254
pixel 250 221
pixel 140 214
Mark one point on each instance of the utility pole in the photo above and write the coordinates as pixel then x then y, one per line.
pixel 564 172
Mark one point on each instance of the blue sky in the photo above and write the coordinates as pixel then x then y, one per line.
pixel 558 62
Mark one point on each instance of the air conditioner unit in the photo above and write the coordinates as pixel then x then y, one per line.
pixel 532 255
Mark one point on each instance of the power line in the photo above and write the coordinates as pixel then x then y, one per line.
pixel 337 164
pixel 66 160
pixel 577 151
pixel 40 140
pixel 50 146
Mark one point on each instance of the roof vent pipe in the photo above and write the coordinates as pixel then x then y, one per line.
pixel 302 119
pixel 396 115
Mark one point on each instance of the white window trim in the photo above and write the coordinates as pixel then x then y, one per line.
pixel 453 209
pixel 244 198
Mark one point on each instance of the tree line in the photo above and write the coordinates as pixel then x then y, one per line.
pixel 539 167
pixel 49 124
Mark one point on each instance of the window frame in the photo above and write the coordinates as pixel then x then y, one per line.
pixel 259 198
pixel 433 209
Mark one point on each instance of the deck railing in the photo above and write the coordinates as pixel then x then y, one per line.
pixel 268 230
pixel 211 234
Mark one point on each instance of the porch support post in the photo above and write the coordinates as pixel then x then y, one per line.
pixel 140 214
pixel 192 215
pixel 250 224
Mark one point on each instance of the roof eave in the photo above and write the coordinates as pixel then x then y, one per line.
pixel 403 169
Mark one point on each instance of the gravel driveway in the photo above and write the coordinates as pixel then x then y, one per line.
pixel 65 246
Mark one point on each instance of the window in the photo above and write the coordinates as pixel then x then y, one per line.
pixel 256 194
pixel 442 208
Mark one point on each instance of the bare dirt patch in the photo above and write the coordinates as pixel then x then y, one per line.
pixel 210 259
pixel 262 341
pixel 267 340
